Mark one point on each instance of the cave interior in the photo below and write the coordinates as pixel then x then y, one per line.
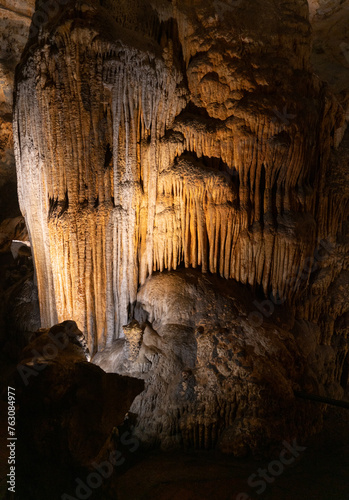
pixel 174 270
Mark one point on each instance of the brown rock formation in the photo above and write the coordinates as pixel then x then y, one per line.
pixel 68 407
pixel 188 137
pixel 330 54
pixel 212 376
pixel 152 135
pixel 12 229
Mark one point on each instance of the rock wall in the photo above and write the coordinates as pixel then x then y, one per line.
pixel 55 387
pixel 157 137
pixel 330 54
pixel 190 135
pixel 212 376
pixel 14 28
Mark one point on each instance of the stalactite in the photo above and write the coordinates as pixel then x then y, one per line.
pixel 127 166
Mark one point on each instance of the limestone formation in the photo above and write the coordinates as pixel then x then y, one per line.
pixel 216 376
pixel 154 136
pixel 212 377
pixel 22 307
pixel 14 28
pixel 12 229
pixel 330 54
pixel 19 308
pixel 185 137
pixel 133 339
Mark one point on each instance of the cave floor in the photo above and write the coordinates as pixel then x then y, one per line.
pixel 321 472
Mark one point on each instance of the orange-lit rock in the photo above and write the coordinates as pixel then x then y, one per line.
pixel 186 137
pixel 157 135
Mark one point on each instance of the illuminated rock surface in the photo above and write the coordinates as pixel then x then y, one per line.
pixel 190 137
pixel 213 375
pixel 156 135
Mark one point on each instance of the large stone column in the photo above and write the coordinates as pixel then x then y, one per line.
pixel 151 134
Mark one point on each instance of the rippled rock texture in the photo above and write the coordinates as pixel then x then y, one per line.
pixel 214 375
pixel 192 136
pixel 152 136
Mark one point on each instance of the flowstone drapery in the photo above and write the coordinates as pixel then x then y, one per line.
pixel 150 136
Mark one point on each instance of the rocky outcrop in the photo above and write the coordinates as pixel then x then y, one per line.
pixel 68 407
pixel 190 136
pixel 19 306
pixel 330 54
pixel 12 229
pixel 215 377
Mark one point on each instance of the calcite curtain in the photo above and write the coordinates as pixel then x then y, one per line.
pixel 155 134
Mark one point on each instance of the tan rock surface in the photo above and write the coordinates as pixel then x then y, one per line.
pixel 154 136
pixel 213 377
pixel 187 137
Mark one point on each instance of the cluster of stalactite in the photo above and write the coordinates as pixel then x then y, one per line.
pixel 120 173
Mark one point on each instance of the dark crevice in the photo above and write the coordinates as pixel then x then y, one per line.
pixel 168 30
pixel 345 373
pixel 261 196
pixel 85 93
pixel 195 113
pixel 134 16
pixel 248 199
pixel 108 158
pixel 64 205
pixel 274 208
pixel 53 204
pixel 9 201
pixel 58 207
pixel 214 163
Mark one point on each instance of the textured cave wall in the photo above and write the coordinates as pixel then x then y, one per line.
pixel 212 377
pixel 173 133
pixel 330 53
pixel 15 17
